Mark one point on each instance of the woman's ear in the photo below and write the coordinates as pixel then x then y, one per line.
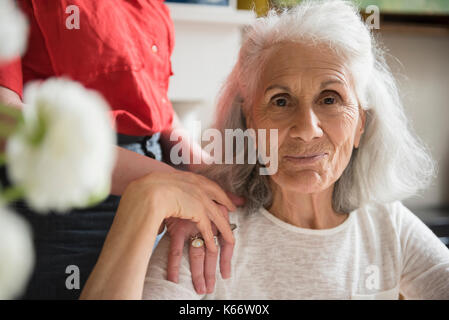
pixel 360 127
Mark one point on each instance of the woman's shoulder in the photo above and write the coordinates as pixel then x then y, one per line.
pixel 394 213
pixel 243 215
pixel 393 208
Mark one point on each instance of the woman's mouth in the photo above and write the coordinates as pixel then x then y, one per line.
pixel 306 159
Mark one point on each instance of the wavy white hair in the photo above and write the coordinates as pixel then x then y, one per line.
pixel 390 164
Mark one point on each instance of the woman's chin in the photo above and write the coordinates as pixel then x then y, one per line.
pixel 304 181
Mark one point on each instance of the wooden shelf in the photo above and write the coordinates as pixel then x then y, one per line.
pixel 416 29
pixel 413 24
pixel 421 19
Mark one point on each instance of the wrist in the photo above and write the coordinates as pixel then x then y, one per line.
pixel 158 208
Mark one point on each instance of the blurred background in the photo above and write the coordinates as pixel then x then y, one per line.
pixel 415 34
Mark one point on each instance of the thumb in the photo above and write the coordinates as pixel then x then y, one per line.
pixel 236 200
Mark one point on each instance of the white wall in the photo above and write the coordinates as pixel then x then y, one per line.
pixel 207 40
pixel 423 76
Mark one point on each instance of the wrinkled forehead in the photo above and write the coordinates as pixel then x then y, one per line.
pixel 300 61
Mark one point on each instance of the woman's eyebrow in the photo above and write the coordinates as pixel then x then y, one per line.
pixel 328 82
pixel 323 85
pixel 274 86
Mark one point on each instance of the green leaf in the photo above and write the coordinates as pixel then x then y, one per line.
pixel 6 130
pixel 9 127
pixel 36 136
pixel 10 111
pixel 12 194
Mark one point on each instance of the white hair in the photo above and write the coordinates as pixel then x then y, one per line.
pixel 390 164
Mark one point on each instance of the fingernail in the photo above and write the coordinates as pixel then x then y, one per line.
pixel 199 290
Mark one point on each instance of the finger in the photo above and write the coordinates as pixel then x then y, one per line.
pixel 174 257
pixel 220 221
pixel 225 215
pixel 226 251
pixel 196 258
pixel 236 200
pixel 224 212
pixel 204 226
pixel 218 194
pixel 210 266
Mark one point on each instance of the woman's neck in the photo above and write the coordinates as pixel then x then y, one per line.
pixel 311 211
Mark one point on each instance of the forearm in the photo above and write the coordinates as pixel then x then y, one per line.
pixel 121 268
pixel 10 98
pixel 130 166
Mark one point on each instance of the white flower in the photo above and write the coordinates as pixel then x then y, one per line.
pixel 63 154
pixel 13 31
pixel 16 254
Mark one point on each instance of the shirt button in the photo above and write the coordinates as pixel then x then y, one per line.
pixel 163 100
pixel 154 48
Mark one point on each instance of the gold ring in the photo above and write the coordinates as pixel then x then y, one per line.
pixel 197 241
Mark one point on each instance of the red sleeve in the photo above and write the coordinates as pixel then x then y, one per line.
pixel 11 76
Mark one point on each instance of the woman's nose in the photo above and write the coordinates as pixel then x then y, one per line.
pixel 306 125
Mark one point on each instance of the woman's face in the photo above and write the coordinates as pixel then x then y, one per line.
pixel 307 94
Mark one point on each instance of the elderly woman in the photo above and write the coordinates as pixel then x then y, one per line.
pixel 328 223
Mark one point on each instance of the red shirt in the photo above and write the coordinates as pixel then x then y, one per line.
pixel 122 49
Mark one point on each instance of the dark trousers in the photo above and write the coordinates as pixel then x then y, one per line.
pixel 72 240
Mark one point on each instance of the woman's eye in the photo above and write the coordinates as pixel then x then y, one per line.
pixel 329 100
pixel 280 102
